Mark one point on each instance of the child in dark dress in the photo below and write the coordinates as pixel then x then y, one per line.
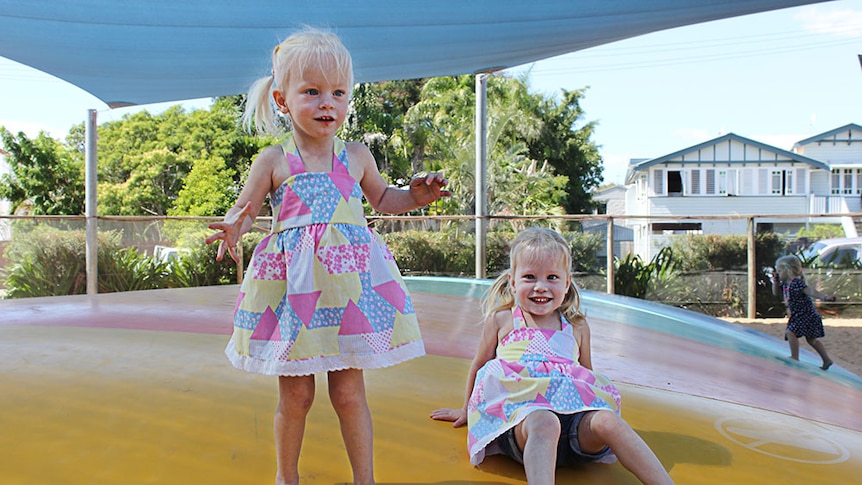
pixel 804 321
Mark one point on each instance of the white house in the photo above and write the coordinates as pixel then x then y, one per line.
pixel 733 175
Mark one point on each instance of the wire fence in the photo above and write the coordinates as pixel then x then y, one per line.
pixel 170 239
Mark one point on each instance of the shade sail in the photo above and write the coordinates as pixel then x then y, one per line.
pixel 139 52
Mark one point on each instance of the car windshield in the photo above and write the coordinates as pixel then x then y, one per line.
pixel 813 250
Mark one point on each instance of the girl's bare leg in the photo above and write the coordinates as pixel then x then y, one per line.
pixel 347 393
pixel 793 341
pixel 818 346
pixel 537 436
pixel 604 428
pixel 295 395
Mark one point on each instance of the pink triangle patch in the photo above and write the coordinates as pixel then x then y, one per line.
pixel 304 305
pixel 354 321
pixel 540 399
pixel 344 184
pixel 292 205
pixel 587 394
pixel 496 409
pixel 392 292
pixel 267 327
pixel 511 368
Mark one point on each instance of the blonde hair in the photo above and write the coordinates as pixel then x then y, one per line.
pixel 310 47
pixel 790 263
pixel 529 245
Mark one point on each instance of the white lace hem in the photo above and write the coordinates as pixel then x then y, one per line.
pixel 398 355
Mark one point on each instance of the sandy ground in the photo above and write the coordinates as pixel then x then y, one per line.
pixel 842 341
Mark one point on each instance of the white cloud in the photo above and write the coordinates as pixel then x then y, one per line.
pixel 842 23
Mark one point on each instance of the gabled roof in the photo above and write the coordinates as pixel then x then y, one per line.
pixel 834 135
pixel 609 192
pixel 144 51
pixel 781 155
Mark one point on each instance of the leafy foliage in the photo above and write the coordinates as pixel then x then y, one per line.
pixel 47 261
pixel 821 231
pixel 174 163
pixel 51 262
pixel 632 276
pixel 47 177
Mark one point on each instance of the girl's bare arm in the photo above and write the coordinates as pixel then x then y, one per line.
pixel 239 219
pixel 582 334
pixel 386 198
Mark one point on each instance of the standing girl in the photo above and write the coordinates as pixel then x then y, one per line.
pixel 804 319
pixel 531 393
pixel 322 292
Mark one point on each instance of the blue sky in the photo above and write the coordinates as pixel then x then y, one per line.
pixel 777 77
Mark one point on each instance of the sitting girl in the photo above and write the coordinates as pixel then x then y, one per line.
pixel 531 393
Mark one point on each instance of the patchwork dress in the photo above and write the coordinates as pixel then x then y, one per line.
pixel 322 291
pixel 804 320
pixel 535 369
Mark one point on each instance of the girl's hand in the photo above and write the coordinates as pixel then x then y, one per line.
pixel 458 417
pixel 829 297
pixel 229 233
pixel 429 188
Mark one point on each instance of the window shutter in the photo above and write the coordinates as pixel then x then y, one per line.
pixel 762 181
pixel 658 181
pixel 694 186
pixel 710 181
pixel 747 181
pixel 800 181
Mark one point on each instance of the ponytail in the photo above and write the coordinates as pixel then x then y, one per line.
pixel 259 114
pixel 499 296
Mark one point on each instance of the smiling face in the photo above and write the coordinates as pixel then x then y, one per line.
pixel 539 283
pixel 317 103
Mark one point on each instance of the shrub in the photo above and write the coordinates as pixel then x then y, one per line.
pixel 46 261
pixel 198 266
pixel 632 276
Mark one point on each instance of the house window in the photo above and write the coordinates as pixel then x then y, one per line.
pixel 674 183
pixel 777 182
pixel 710 181
pixel 781 182
pixel 843 181
pixel 727 182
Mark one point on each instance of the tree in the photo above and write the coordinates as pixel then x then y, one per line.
pixel 569 149
pixel 47 177
pixel 376 118
pixel 175 163
pixel 441 127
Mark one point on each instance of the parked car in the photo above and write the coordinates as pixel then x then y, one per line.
pixel 837 252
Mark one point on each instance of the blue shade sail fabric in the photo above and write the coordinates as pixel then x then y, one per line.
pixel 129 52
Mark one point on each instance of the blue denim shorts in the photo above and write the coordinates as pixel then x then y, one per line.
pixel 568 447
